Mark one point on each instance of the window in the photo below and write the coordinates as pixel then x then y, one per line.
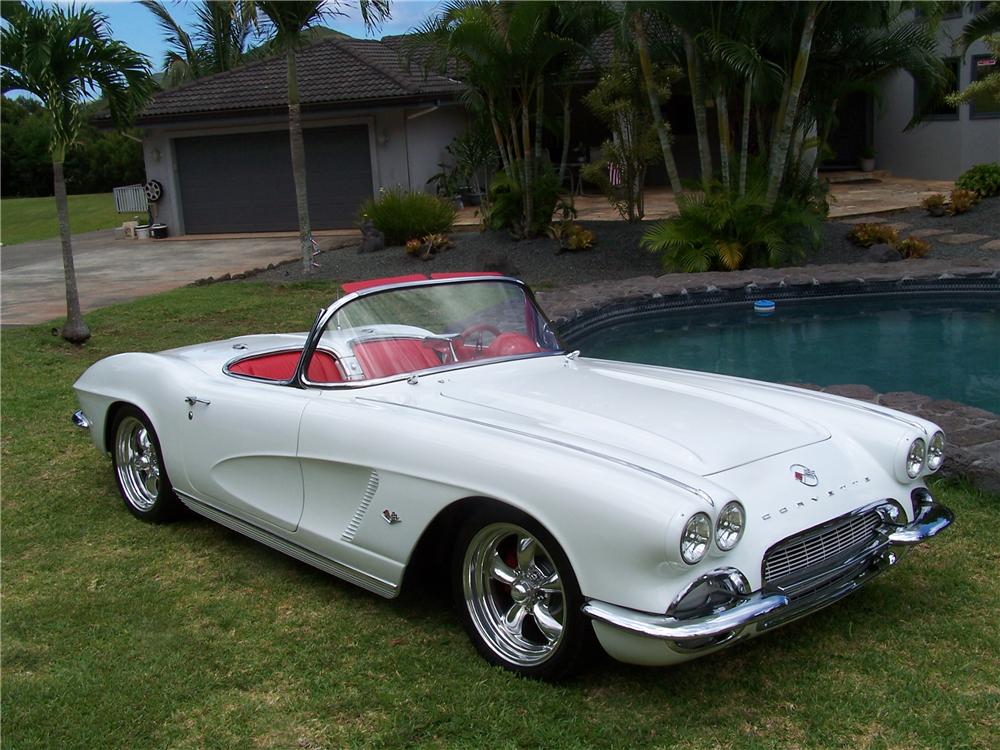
pixel 934 107
pixel 985 105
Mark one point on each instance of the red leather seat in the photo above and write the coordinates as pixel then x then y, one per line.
pixel 280 366
pixel 385 357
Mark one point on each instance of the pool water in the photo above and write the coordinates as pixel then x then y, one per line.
pixel 947 347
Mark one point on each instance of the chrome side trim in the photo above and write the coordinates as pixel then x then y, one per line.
pixel 352 575
pixel 771 607
pixel 551 441
pixel 359 514
pixel 80 420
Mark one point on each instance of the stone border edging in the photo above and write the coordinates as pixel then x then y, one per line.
pixel 570 308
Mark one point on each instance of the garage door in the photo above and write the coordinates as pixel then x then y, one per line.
pixel 243 183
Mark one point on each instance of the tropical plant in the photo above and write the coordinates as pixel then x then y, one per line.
pixel 286 23
pixel 866 235
pixel 65 55
pixel 984 25
pixel 913 247
pixel 403 215
pixel 934 204
pixel 619 99
pixel 571 236
pixel 720 229
pixel 508 52
pixel 961 201
pixel 505 208
pixel 475 156
pixel 984 179
pixel 217 42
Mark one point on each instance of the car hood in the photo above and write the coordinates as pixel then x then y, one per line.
pixel 621 409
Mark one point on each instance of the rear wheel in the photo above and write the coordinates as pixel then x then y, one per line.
pixel 518 597
pixel 139 471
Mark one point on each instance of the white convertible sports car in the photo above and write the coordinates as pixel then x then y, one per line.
pixel 670 513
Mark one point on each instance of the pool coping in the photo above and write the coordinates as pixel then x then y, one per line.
pixel 973 433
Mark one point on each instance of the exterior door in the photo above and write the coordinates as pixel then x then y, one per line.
pixel 240 450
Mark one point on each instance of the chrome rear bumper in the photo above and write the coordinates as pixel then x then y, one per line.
pixel 80 420
pixel 768 608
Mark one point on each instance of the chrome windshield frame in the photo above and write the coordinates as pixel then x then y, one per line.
pixel 326 314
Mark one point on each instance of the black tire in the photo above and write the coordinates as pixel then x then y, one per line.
pixel 548 632
pixel 139 469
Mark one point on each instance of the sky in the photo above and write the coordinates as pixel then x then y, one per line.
pixel 136 26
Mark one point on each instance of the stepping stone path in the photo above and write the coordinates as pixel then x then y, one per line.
pixel 928 232
pixel 991 245
pixel 962 238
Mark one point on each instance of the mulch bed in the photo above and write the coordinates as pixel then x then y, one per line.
pixel 616 255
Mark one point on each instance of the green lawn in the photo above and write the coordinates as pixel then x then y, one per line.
pixel 118 634
pixel 27 219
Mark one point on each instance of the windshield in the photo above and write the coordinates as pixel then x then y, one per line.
pixel 412 329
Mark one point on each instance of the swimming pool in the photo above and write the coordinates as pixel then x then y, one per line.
pixel 944 346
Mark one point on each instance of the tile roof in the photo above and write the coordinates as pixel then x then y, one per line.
pixel 335 73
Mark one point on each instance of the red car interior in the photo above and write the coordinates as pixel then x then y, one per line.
pixel 384 357
pixel 281 366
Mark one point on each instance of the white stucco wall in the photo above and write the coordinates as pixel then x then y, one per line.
pixel 936 149
pixel 427 138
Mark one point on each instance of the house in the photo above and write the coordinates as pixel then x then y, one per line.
pixel 219 145
pixel 950 139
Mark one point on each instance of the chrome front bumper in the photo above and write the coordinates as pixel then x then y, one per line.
pixel 80 420
pixel 766 608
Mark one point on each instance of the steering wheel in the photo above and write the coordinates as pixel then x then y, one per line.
pixel 478 330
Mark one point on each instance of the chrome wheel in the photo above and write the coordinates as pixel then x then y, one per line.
pixel 137 464
pixel 514 594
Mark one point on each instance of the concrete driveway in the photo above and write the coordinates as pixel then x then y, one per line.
pixel 110 270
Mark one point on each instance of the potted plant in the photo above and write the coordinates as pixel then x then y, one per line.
pixel 868 159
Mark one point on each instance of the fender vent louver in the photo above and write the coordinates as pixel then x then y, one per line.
pixel 359 514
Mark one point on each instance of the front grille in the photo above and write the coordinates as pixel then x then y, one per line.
pixel 820 544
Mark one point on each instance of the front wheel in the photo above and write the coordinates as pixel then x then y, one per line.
pixel 139 470
pixel 518 597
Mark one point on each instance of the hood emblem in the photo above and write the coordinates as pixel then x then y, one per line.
pixel 804 474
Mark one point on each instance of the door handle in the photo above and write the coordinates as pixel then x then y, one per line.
pixel 192 400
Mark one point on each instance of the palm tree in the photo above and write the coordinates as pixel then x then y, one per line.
pixel 217 43
pixel 64 56
pixel 287 24
pixel 507 53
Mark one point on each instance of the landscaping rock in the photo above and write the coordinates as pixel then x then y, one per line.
pixel 372 239
pixel 882 254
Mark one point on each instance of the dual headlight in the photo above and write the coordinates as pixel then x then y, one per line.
pixel 698 533
pixel 923 455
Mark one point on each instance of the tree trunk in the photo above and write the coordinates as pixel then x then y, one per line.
pixel 299 164
pixel 745 135
pixel 75 331
pixel 722 118
pixel 501 143
pixel 564 159
pixel 698 103
pixel 540 104
pixel 662 128
pixel 529 183
pixel 786 115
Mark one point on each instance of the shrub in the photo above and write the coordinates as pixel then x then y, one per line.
pixel 571 236
pixel 866 235
pixel 403 215
pixel 721 229
pixel 913 247
pixel 505 209
pixel 962 201
pixel 427 247
pixel 984 179
pixel 934 204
